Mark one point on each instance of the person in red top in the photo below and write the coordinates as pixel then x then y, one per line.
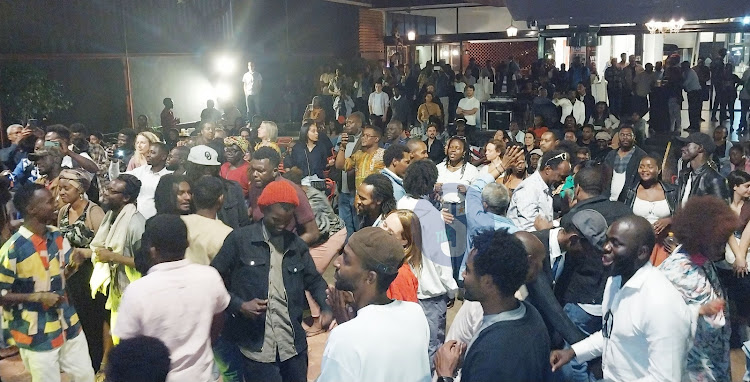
pixel 404 225
pixel 538 128
pixel 236 167
pixel 168 121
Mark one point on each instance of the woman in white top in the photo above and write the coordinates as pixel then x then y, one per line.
pixel 493 155
pixel 653 200
pixel 455 174
pixel 602 119
pixel 142 143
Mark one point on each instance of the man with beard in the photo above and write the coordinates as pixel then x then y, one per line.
pixel 374 200
pixel 149 175
pixel 624 164
pixel 700 178
pixel 512 331
pixel 267 270
pixel 264 170
pixel 47 162
pixel 124 149
pixel 535 200
pixel 394 134
pixel 646 327
pixel 177 160
pixel 116 242
pixel 42 323
pixel 361 348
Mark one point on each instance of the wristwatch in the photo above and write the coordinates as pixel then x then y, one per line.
pixel 445 379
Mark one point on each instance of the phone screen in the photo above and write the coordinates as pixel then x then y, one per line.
pixel 51 144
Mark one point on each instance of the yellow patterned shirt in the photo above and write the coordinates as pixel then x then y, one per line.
pixel 31 263
pixel 365 164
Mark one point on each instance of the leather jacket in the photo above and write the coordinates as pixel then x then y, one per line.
pixel 706 181
pixel 669 192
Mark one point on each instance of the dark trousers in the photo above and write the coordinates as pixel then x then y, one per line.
pixel 615 101
pixel 744 109
pixel 292 370
pixel 252 102
pixel 640 104
pixel 726 106
pixel 695 103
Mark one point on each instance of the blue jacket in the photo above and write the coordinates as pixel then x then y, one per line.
pixel 396 182
pixel 477 219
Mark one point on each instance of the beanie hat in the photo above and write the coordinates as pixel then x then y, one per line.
pixel 278 191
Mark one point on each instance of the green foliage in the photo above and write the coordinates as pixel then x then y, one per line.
pixel 27 92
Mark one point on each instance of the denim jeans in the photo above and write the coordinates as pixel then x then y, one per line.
pixel 574 370
pixel 347 213
pixel 229 360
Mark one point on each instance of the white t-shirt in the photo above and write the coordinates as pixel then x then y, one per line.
pixel 249 80
pixel 468 104
pixel 451 179
pixel 383 343
pixel 149 181
pixel 616 185
pixel 176 303
pixel 67 161
pixel 379 103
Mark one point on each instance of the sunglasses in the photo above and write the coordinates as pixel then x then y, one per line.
pixel 561 156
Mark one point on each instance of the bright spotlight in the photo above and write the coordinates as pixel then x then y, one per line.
pixel 746 20
pixel 411 35
pixel 223 91
pixel 454 52
pixel 225 65
pixel 512 31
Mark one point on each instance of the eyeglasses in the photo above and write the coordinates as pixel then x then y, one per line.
pixel 110 191
pixel 562 156
pixel 609 320
pixel 368 135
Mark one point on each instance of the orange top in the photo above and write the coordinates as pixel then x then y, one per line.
pixel 404 287
pixel 538 131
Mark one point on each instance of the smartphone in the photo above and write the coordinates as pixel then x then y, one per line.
pixel 51 144
pixel 33 122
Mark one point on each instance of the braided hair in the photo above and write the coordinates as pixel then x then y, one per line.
pixel 464 157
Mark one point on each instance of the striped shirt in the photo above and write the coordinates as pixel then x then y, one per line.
pixel 30 263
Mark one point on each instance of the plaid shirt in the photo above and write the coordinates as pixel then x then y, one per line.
pixel 30 263
pixel 621 163
pixel 99 155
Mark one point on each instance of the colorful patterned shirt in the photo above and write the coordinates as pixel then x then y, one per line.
pixel 30 263
pixel 365 164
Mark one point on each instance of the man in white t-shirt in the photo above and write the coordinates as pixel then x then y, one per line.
pixel 378 106
pixel 387 340
pixel 149 175
pixel 469 107
pixel 252 82
pixel 178 302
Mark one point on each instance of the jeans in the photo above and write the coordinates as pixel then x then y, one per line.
pixel 228 360
pixel 456 232
pixel 695 104
pixel 675 119
pixel 574 370
pixel 292 370
pixel 435 309
pixel 744 109
pixel 347 213
pixel 253 106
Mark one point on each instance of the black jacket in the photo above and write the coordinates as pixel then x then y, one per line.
pixel 542 296
pixel 234 211
pixel 436 152
pixel 706 181
pixel 669 192
pixel 631 172
pixel 243 263
pixel 584 276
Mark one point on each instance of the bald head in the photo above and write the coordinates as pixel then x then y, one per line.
pixel 417 148
pixel 630 241
pixel 536 252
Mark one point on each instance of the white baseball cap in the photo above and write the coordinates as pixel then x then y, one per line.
pixel 203 155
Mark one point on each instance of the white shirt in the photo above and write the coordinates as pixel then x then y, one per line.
pixel 67 161
pixel 176 303
pixel 578 110
pixel 468 104
pixel 149 181
pixel 616 185
pixel 378 103
pixel 383 343
pixel 249 80
pixel 450 181
pixel 532 198
pixel 555 253
pixel 648 330
pixel 688 190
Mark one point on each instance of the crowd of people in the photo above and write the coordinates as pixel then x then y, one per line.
pixel 200 258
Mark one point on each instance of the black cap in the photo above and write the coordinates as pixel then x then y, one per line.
pixel 702 139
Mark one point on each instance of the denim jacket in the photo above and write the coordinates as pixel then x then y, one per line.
pixel 243 263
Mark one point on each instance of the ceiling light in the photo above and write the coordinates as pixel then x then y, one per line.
pixel 512 31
